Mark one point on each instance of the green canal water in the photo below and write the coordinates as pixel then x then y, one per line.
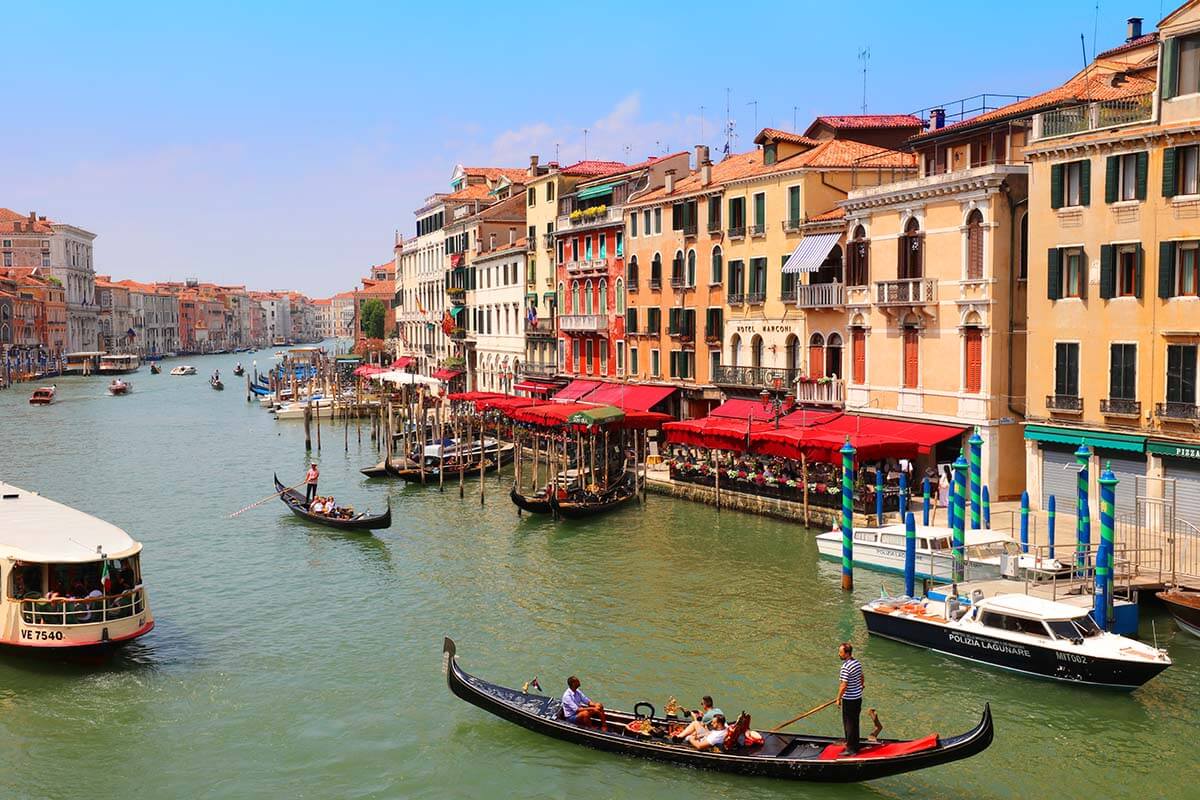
pixel 290 661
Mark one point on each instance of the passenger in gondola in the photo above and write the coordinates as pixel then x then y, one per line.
pixel 701 719
pixel 577 707
pixel 317 506
pixel 714 736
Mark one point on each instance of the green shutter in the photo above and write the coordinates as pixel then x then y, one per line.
pixel 1084 274
pixel 1056 186
pixel 1085 182
pixel 1170 65
pixel 1054 273
pixel 1112 178
pixel 1138 279
pixel 1168 181
pixel 794 204
pixel 1143 168
pixel 1108 271
pixel 1166 269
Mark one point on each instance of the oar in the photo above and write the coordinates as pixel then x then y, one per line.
pixel 265 499
pixel 783 725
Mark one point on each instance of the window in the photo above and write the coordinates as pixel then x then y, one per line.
pixel 691 268
pixel 656 271
pixel 531 197
pixel 737 281
pixel 633 220
pixel 737 216
pixel 833 356
pixel 912 349
pixel 653 320
pixel 793 217
pixel 1181 374
pixel 677 269
pixel 1181 67
pixel 1066 272
pixel 1178 269
pixel 760 214
pixel 1125 177
pixel 858 258
pixel 1120 270
pixel 714 213
pixel 654 366
pixel 588 350
pixel 602 346
pixel 658 220
pixel 602 304
pixel 858 354
pixel 602 246
pixel 575 249
pixel 1181 171
pixel 1122 372
pixel 1071 184
pixel 758 279
pixel 770 153
pixel 620 296
pixel 718 269
pixel 631 315
pixel 8 259
pixel 620 248
pixel 549 191
pixel 713 323
pixel 909 251
pixel 620 357
pixel 559 244
pixel 973 360
pixel 975 246
pixel 1066 369
pixel 633 361
pixel 646 222
pixel 560 305
pixel 631 273
pixel 587 298
pixel 714 363
pixel 575 308
pixel 575 356
pixel 787 280
pixel 587 248
pixel 756 351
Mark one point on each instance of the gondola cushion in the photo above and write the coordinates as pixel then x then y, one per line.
pixel 889 750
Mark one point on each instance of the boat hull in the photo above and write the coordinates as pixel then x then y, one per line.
pixel 534 504
pixel 1184 607
pixel 298 505
pixel 1046 662
pixel 891 559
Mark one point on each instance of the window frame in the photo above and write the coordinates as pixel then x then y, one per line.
pixel 1128 369
pixel 1177 384
pixel 1066 353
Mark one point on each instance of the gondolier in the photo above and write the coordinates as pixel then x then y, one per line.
pixel 849 696
pixel 310 482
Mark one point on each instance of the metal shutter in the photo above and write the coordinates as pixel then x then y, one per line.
pixel 1059 477
pixel 1128 467
pixel 1186 474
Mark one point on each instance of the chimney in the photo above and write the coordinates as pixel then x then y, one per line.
pixel 512 235
pixel 701 155
pixel 1133 29
pixel 32 216
pixel 670 178
pixel 937 118
pixel 533 166
pixel 492 241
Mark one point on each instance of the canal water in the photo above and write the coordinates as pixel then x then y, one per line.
pixel 291 661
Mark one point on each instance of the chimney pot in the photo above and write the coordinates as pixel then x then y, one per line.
pixel 1134 29
pixel 938 118
pixel 33 216
pixel 701 155
pixel 533 165
pixel 512 235
pixel 670 180
pixel 706 173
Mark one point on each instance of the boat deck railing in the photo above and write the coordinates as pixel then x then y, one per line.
pixel 82 610
pixel 1078 573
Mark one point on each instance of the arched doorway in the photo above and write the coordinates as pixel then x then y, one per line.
pixel 792 351
pixel 833 356
pixel 756 351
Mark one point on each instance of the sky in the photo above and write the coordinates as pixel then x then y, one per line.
pixel 282 145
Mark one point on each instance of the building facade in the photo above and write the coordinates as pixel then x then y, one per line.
pixel 498 300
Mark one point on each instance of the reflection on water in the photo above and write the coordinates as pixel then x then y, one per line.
pixel 294 660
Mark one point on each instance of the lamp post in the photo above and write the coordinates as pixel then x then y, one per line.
pixel 779 405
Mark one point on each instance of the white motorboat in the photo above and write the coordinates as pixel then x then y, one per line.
pixel 183 370
pixel 1019 632
pixel 987 552
pixel 321 406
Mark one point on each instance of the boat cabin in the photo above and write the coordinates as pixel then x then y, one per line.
pixel 980 544
pixel 119 364
pixel 69 580
pixel 86 362
pixel 1034 616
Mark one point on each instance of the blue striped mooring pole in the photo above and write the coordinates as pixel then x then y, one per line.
pixel 960 513
pixel 987 508
pixel 1104 559
pixel 910 554
pixel 847 516
pixel 1024 522
pixel 878 496
pixel 925 502
pixel 902 500
pixel 1050 527
pixel 1082 539
pixel 975 445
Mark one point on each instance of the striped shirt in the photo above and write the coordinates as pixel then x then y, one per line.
pixel 852 674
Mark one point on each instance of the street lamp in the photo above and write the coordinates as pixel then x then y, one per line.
pixel 778 404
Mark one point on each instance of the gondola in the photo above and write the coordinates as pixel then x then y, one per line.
pixel 155 369
pixel 380 470
pixel 781 755
pixel 361 522
pixel 412 474
pixel 239 370
pixel 540 503
pixel 579 505
pixel 217 384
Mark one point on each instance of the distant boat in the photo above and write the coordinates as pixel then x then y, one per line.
pixel 119 387
pixel 1184 607
pixel 239 370
pixel 184 370
pixel 155 369
pixel 43 396
pixel 216 384
pixel 121 364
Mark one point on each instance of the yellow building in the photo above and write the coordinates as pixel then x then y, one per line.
pixel 1115 273
pixel 936 288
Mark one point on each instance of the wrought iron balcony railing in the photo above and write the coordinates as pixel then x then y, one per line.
pixel 1120 407
pixel 1064 402
pixel 1175 410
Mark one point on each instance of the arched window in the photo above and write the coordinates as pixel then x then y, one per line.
pixel 816 356
pixel 756 351
pixel 575 308
pixel 735 346
pixel 691 268
pixel 602 305
pixel 620 296
pixel 718 266
pixel 858 253
pixel 587 298
pixel 833 355
pixel 631 273
pixel 910 251
pixel 975 245
pixel 677 269
pixel 656 272
pixel 792 348
pixel 560 301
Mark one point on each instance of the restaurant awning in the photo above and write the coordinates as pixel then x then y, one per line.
pixel 636 397
pixel 402 362
pixel 533 387
pixel 446 374
pixel 741 408
pixel 367 370
pixel 872 437
pixel 811 251
pixel 595 191
pixel 596 415
pixel 401 378
pixel 576 389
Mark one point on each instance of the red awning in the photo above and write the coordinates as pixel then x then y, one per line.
pixel 366 370
pixel 504 404
pixel 447 374
pixel 465 396
pixel 402 362
pixel 575 390
pixel 872 437
pixel 635 397
pixel 740 408
pixel 717 433
pixel 533 388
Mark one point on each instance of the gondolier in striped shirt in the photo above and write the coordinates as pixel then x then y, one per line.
pixel 849 696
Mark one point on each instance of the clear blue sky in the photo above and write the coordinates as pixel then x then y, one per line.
pixel 281 144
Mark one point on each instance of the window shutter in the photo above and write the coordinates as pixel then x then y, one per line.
pixel 1056 186
pixel 1112 179
pixel 1085 271
pixel 859 340
pixel 1143 169
pixel 1168 181
pixel 1166 269
pixel 974 358
pixel 1138 278
pixel 1108 271
pixel 911 347
pixel 1085 182
pixel 1054 273
pixel 901 257
pixel 1170 65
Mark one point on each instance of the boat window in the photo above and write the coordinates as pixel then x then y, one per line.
pixel 1033 627
pixel 941 543
pixel 1087 625
pixel 1064 629
pixel 25 580
pixel 864 536
pixel 892 539
pixel 923 544
pixel 994 620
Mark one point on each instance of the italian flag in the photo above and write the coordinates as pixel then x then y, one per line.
pixel 105 581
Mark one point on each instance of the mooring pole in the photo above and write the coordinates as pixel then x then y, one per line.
pixel 847 516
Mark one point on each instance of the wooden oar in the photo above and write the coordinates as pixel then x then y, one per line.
pixel 783 725
pixel 265 499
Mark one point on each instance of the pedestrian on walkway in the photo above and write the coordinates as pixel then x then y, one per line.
pixel 849 696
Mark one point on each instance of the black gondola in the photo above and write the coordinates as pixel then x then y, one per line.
pixel 412 474
pixel 216 384
pixel 155 369
pixel 239 371
pixel 539 503
pixel 578 505
pixel 362 522
pixel 781 755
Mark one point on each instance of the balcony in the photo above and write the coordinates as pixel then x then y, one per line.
pixel 906 292
pixel 543 328
pixel 583 323
pixel 1093 116
pixel 756 377
pixel 736 299
pixel 586 267
pixel 1120 407
pixel 821 392
pixel 821 295
pixel 457 295
pixel 577 220
pixel 736 233
pixel 791 225
pixel 1182 411
pixel 680 282
pixel 756 298
pixel 1067 403
pixel 548 240
pixel 655 284
pixel 689 230
pixel 758 230
pixel 788 295
pixel 714 226
pixel 532 370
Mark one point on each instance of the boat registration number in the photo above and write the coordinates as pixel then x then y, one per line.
pixel 42 636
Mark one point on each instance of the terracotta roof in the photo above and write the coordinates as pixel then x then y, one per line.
pixel 867 121
pixel 1080 89
pixel 495 173
pixel 474 191
pixel 518 246
pixel 1141 41
pixel 594 168
pixel 776 135
pixel 828 216
pixel 834 153
pixel 10 218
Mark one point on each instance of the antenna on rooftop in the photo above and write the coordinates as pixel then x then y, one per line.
pixel 585 144
pixel 729 128
pixel 794 127
pixel 864 55
pixel 556 151
pixel 701 123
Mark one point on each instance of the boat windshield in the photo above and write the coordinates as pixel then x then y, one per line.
pixel 1077 628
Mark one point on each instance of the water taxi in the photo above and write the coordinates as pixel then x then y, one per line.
pixel 71 581
pixel 119 364
pixel 43 396
pixel 184 370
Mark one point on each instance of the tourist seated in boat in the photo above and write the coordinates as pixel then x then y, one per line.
pixel 712 736
pixel 701 719
pixel 317 506
pixel 577 707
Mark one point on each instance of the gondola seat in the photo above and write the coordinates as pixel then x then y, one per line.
pixel 739 736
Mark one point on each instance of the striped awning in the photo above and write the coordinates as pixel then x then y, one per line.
pixel 596 191
pixel 811 251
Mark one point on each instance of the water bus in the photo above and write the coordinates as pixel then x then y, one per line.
pixel 85 362
pixel 119 364
pixel 71 582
